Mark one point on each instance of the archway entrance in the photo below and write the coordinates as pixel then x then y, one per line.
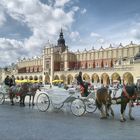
pixel 69 79
pixel 128 78
pixel 115 77
pixel 105 79
pixel 47 79
pixel 86 77
pixel 95 78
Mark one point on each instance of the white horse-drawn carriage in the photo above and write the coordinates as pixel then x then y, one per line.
pixel 58 97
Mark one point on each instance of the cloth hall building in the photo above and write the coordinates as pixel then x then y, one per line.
pixel 104 65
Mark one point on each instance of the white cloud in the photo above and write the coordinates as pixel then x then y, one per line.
pixel 92 34
pixel 101 41
pixel 83 11
pixel 10 50
pixel 135 33
pixel 39 16
pixel 2 16
pixel 61 2
pixel 2 19
pixel 44 21
pixel 74 35
pixel 75 8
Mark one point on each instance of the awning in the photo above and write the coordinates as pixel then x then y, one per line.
pixel 28 81
pixel 57 81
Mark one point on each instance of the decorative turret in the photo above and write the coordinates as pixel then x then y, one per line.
pixel 120 45
pixel 101 48
pixel 93 48
pixel 131 43
pixel 110 46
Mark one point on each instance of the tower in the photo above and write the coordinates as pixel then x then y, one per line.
pixel 61 42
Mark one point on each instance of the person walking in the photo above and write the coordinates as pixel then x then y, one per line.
pixel 7 81
pixel 12 81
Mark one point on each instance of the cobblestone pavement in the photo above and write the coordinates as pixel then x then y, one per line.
pixel 24 123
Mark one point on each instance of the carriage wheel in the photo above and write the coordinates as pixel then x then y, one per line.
pixel 43 102
pixel 2 98
pixel 78 107
pixel 90 105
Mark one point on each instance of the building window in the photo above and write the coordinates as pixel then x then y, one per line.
pixel 89 65
pixel 97 65
pixel 106 65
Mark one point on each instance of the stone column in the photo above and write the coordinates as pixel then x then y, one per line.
pixel 110 81
pixel 3 75
pixel 52 66
pixel 66 60
pixel 122 81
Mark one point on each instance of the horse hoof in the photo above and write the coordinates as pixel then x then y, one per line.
pixel 131 118
pixel 12 104
pixel 33 104
pixel 103 117
pixel 108 115
pixel 122 120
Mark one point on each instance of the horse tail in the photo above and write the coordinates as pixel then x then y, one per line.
pixel 98 100
pixel 98 104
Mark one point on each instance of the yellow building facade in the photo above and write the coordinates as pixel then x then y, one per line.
pixel 104 65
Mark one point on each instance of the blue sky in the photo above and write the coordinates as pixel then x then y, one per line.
pixel 27 25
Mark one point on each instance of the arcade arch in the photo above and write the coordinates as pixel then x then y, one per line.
pixel 47 79
pixel 26 77
pixel 30 78
pixel 115 77
pixel 105 79
pixel 40 78
pixel 17 78
pixel 56 77
pixel 35 77
pixel 69 79
pixel 95 78
pixel 128 78
pixel 86 77
pixel 21 78
pixel 63 77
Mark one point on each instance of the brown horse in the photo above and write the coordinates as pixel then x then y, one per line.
pixel 127 96
pixel 138 94
pixel 103 99
pixel 32 91
pixel 19 90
